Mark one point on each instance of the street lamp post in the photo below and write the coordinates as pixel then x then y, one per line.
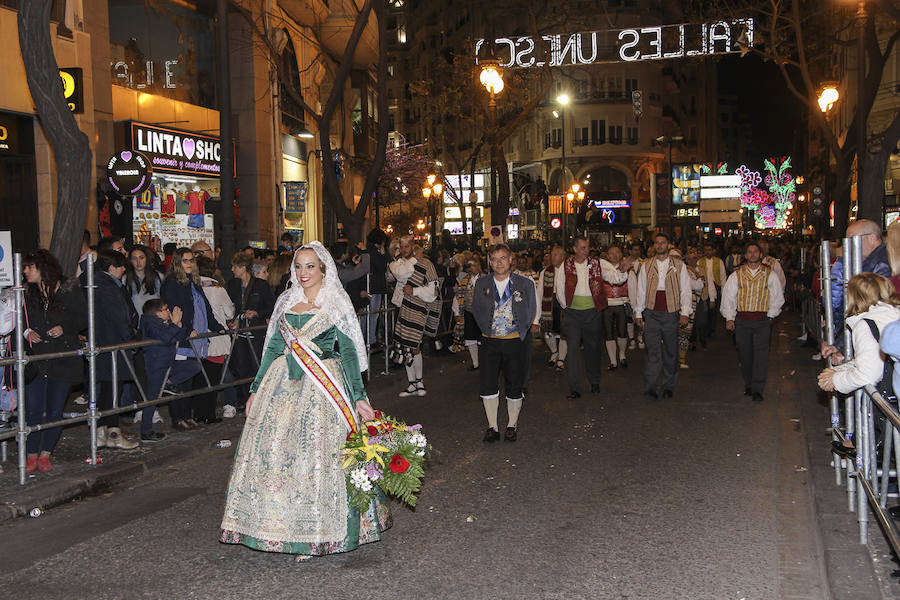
pixel 861 17
pixel 668 139
pixel 492 80
pixel 563 101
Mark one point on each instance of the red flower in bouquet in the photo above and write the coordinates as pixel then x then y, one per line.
pixel 398 464
pixel 378 414
pixel 373 431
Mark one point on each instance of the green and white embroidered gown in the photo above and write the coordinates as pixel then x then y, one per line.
pixel 287 491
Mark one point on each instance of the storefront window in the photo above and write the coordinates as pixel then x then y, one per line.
pixel 163 48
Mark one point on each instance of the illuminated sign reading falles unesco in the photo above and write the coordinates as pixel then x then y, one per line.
pixel 614 45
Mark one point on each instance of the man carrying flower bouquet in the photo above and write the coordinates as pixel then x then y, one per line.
pixel 505 308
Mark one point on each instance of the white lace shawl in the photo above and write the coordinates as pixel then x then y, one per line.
pixel 334 305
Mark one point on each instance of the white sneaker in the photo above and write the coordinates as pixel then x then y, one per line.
pixel 802 338
pixel 80 400
pixel 229 412
pixel 420 389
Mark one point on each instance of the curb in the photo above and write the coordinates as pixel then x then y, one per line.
pixel 94 480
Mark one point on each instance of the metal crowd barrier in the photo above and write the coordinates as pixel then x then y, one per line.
pixel 867 481
pixel 386 313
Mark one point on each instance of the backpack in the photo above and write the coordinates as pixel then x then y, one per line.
pixel 886 385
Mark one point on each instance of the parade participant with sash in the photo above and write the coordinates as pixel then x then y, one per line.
pixel 288 492
pixel 751 298
pixel 468 333
pixel 506 311
pixel 551 311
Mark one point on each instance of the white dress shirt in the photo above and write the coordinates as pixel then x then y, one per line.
pixel 730 291
pixel 684 283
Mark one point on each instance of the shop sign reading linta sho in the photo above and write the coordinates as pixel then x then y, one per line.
pixel 177 151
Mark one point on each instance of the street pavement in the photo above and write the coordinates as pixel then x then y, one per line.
pixel 704 496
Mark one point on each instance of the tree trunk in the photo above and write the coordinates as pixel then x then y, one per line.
pixel 377 165
pixel 71 149
pixel 871 201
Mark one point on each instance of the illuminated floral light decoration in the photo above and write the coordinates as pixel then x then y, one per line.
pixel 770 208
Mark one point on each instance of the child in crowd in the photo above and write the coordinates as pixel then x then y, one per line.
pixel 158 323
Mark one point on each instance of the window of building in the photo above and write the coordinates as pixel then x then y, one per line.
pixel 168 52
pixel 632 134
pixel 598 132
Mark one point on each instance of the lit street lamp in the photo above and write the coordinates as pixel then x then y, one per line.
pixel 432 187
pixel 828 95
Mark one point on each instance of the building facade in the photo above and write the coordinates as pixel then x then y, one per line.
pixel 146 78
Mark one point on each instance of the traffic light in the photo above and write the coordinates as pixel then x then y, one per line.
pixel 637 107
pixel 817 202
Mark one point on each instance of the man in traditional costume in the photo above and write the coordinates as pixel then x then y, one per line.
pixel 505 308
pixel 551 310
pixel 663 304
pixel 467 332
pixel 712 268
pixel 419 315
pixel 581 293
pixel 751 298
pixel 615 317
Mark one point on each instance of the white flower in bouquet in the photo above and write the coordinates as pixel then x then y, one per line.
pixel 417 439
pixel 359 479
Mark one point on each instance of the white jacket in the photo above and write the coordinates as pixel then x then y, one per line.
pixel 223 311
pixel 867 365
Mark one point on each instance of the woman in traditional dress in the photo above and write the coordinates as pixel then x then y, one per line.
pixel 288 492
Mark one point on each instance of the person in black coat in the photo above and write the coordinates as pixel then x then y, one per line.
pixel 182 289
pixel 116 322
pixel 55 312
pixel 253 304
pixel 376 248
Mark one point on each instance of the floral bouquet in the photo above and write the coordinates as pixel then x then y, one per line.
pixel 386 453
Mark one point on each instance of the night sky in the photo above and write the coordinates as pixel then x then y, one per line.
pixel 776 119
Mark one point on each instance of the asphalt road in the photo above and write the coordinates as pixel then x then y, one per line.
pixel 704 496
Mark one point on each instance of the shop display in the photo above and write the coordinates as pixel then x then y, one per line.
pixel 174 211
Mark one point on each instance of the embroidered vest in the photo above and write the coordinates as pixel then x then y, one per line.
pixel 673 283
pixel 753 289
pixel 504 324
pixel 595 282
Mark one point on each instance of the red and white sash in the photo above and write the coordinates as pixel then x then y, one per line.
pixel 316 371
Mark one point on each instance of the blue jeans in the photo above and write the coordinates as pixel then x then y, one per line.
pixel 44 402
pixel 182 370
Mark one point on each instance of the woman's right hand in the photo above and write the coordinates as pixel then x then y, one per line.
pixel 34 337
pixel 249 404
